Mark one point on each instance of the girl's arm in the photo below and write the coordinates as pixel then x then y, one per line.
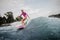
pixel 21 14
pixel 28 15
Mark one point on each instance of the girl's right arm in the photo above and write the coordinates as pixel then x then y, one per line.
pixel 20 14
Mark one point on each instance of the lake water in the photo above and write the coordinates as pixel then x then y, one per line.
pixel 41 28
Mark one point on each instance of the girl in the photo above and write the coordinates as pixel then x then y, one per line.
pixel 24 14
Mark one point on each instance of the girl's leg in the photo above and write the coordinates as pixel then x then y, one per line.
pixel 23 21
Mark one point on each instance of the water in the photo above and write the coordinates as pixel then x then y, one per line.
pixel 41 28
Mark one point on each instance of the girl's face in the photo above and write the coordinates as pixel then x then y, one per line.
pixel 21 10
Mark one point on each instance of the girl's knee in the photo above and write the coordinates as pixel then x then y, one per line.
pixel 24 19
